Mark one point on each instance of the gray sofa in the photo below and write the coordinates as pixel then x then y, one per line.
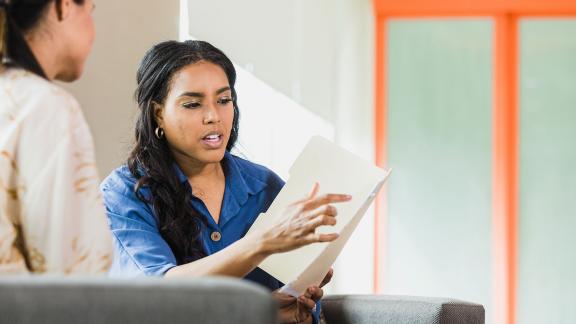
pixel 348 309
pixel 49 300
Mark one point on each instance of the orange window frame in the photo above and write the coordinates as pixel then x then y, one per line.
pixel 506 14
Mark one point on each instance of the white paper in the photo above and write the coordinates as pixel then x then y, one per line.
pixel 337 171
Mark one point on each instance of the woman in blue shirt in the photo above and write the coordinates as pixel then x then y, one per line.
pixel 182 204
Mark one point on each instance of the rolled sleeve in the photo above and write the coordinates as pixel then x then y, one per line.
pixel 139 249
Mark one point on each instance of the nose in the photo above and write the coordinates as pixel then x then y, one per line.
pixel 211 115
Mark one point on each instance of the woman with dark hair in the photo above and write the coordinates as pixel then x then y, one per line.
pixel 52 217
pixel 182 204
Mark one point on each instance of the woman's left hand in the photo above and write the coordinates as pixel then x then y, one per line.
pixel 298 310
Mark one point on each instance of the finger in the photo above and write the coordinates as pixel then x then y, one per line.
pixel 322 220
pixel 327 278
pixel 314 191
pixel 315 293
pixel 311 195
pixel 323 210
pixel 320 238
pixel 283 300
pixel 308 303
pixel 302 314
pixel 302 311
pixel 326 199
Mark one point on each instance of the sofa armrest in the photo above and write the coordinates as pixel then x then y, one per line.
pixel 348 309
pixel 137 301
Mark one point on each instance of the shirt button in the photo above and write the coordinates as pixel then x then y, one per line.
pixel 215 236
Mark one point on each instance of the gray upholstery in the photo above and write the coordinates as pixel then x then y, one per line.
pixel 208 300
pixel 147 300
pixel 367 309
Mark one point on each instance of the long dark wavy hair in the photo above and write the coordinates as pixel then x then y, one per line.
pixel 16 18
pixel 151 161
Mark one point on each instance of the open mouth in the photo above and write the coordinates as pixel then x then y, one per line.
pixel 213 140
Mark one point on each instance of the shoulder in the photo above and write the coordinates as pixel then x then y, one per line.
pixel 120 181
pixel 34 94
pixel 258 174
pixel 124 208
pixel 118 190
pixel 45 124
pixel 39 105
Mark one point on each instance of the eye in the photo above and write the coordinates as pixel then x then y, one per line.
pixel 224 100
pixel 191 105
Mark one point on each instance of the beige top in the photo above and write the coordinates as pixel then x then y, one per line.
pixel 52 217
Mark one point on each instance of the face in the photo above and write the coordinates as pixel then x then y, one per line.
pixel 78 32
pixel 197 114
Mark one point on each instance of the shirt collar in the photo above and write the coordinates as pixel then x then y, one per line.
pixel 238 181
pixel 179 173
pixel 235 181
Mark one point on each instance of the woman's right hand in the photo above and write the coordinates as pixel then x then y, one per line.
pixel 296 228
pixel 298 225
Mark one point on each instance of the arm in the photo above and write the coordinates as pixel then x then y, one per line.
pixel 237 260
pixel 139 242
pixel 295 230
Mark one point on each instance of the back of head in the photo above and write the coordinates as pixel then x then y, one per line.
pixel 18 18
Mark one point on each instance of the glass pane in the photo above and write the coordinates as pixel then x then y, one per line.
pixel 440 147
pixel 547 228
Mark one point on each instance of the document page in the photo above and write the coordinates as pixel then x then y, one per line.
pixel 336 171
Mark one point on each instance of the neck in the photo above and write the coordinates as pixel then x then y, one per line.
pixel 43 50
pixel 194 169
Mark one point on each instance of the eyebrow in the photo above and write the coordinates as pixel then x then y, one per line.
pixel 202 95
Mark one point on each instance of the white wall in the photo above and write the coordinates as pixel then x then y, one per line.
pixel 319 53
pixel 299 47
pixel 353 120
pixel 124 31
pixel 264 140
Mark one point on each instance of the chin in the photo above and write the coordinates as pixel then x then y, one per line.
pixel 213 156
pixel 69 76
pixel 72 72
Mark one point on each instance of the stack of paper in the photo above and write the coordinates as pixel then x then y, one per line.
pixel 337 171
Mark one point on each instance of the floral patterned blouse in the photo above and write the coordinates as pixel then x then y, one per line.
pixel 52 218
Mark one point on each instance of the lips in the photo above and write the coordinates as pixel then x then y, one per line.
pixel 213 140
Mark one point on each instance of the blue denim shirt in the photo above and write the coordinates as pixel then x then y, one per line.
pixel 139 249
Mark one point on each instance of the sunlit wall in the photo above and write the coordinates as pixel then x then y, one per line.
pixel 317 57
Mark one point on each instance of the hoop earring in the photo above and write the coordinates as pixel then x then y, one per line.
pixel 159 132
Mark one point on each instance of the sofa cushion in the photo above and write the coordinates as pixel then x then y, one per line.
pixel 146 300
pixel 348 309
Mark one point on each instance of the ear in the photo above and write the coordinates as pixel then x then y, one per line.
pixel 158 114
pixel 63 9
